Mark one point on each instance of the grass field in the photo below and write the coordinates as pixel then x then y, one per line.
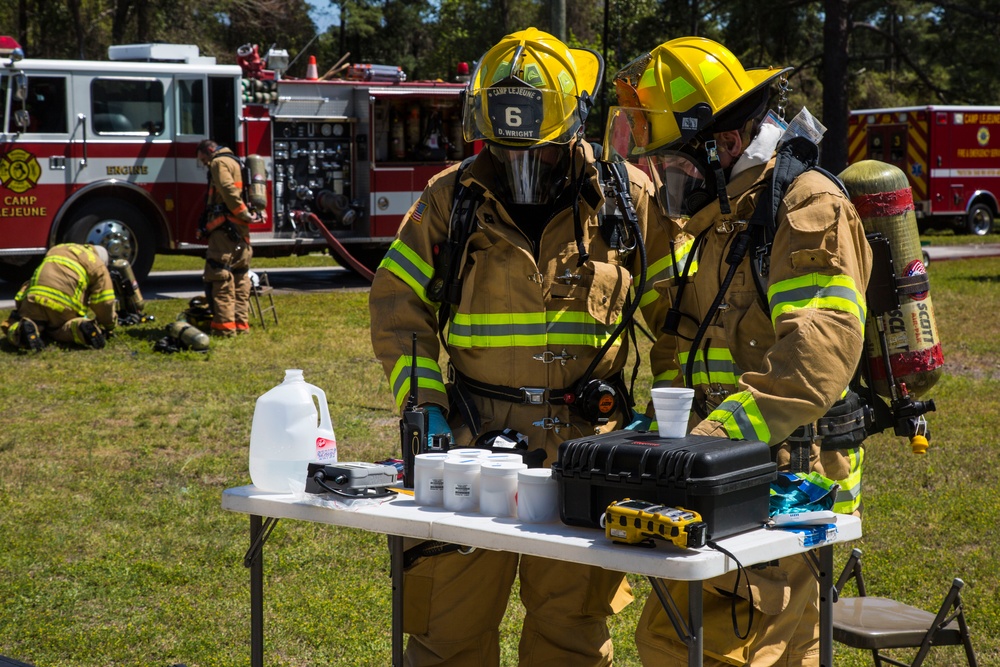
pixel 114 549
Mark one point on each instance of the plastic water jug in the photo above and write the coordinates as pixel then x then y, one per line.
pixel 288 432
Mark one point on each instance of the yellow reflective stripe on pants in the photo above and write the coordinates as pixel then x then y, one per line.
pixel 816 291
pixel 428 377
pixel 409 267
pixel 741 418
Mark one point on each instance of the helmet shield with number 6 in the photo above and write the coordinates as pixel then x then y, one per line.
pixel 528 100
pixel 531 89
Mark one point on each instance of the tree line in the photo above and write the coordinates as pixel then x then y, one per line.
pixel 846 54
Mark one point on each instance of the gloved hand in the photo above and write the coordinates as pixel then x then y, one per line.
pixel 436 423
pixel 639 422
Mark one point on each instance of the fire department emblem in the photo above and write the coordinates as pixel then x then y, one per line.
pixel 19 171
pixel 983 136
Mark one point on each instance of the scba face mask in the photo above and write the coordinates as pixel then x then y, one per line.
pixel 531 175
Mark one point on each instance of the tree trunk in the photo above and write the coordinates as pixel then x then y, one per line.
pixel 836 30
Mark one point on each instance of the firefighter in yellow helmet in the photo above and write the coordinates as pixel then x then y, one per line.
pixel 537 295
pixel 71 279
pixel 768 307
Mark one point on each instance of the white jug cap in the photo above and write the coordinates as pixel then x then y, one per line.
pixel 535 475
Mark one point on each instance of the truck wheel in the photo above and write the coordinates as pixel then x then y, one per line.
pixel 121 228
pixel 979 220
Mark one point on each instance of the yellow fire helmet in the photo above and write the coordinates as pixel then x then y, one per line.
pixel 681 89
pixel 531 89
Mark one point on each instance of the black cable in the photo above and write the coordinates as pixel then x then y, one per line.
pixel 740 571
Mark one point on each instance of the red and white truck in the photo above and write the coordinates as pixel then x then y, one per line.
pixel 104 151
pixel 951 155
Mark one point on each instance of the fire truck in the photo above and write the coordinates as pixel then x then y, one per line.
pixel 950 154
pixel 104 152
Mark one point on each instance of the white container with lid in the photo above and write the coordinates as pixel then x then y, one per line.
pixel 428 479
pixel 537 496
pixel 461 484
pixel 467 452
pixel 498 487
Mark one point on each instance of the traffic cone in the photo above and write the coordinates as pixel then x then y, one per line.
pixel 311 72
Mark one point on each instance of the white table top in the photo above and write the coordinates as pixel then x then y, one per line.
pixel 401 516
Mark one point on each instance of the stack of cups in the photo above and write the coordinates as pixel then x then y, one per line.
pixel 498 486
pixel 537 496
pixel 673 410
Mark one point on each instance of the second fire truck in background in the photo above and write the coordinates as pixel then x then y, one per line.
pixel 950 154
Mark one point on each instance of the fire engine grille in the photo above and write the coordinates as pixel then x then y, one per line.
pixel 310 108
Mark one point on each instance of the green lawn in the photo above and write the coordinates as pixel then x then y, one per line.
pixel 115 550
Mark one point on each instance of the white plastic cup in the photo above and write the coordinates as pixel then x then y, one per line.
pixel 673 410
pixel 461 484
pixel 428 479
pixel 537 496
pixel 498 487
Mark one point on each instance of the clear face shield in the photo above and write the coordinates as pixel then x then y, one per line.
pixel 532 175
pixel 678 175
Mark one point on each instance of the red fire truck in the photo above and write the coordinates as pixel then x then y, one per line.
pixel 104 152
pixel 950 154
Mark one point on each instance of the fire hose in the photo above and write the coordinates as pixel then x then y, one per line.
pixel 336 246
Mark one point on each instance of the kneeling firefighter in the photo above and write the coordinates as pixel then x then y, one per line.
pixel 521 260
pixel 768 310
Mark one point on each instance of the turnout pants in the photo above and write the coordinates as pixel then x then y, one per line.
pixel 784 631
pixel 59 325
pixel 454 603
pixel 227 262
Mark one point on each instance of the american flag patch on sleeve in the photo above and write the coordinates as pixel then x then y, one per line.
pixel 418 212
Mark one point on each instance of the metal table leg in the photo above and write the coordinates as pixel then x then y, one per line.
pixel 396 566
pixel 256 566
pixel 826 595
pixel 691 631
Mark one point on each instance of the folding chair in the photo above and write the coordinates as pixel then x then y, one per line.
pixel 876 624
pixel 263 288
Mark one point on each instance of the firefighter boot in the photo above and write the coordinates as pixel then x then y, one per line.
pixel 28 336
pixel 92 334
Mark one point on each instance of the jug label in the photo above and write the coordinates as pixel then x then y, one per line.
pixel 326 449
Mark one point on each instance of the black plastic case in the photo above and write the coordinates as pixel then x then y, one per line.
pixel 726 481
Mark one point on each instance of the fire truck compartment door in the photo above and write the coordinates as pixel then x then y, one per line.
pixel 392 194
pixel 312 108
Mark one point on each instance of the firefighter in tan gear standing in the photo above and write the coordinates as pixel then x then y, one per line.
pixel 71 278
pixel 768 307
pixel 543 287
pixel 226 225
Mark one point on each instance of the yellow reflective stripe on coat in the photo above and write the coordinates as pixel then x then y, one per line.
pixel 498 330
pixel 741 417
pixel 816 290
pixel 408 266
pixel 102 297
pixel 849 494
pixel 721 369
pixel 666 378
pixel 428 377
pixel 56 300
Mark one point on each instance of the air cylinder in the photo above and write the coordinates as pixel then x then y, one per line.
pixel 258 182
pixel 881 194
